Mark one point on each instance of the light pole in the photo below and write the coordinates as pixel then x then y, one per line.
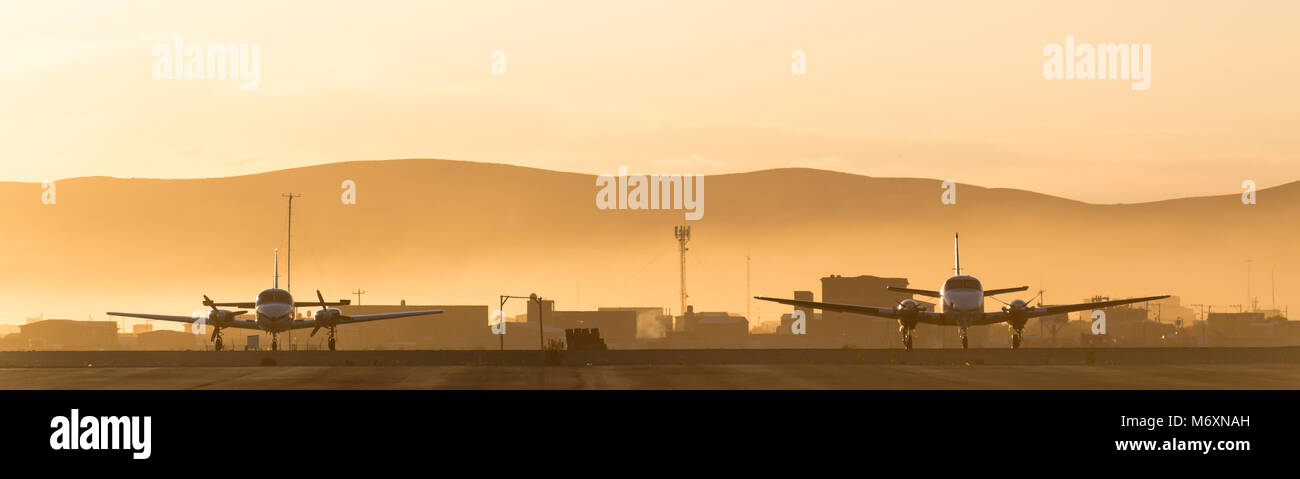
pixel 532 297
pixel 541 327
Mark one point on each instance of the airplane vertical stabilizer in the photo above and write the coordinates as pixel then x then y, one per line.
pixel 956 253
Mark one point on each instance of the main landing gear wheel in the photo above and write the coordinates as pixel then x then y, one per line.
pixel 1015 340
pixel 217 344
pixel 216 339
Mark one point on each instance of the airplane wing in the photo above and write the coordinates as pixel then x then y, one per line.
pixel 233 323
pixel 243 305
pixel 311 323
pixel 1000 316
pixel 890 313
pixel 918 292
pixel 308 304
pixel 991 292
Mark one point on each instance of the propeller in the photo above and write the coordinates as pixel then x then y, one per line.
pixel 220 313
pixel 1017 311
pixel 217 316
pixel 909 311
pixel 326 316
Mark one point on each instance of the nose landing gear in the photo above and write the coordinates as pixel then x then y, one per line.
pixel 331 338
pixel 965 344
pixel 275 342
pixel 907 337
pixel 1016 337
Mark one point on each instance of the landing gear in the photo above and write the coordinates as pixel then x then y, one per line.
pixel 216 339
pixel 965 344
pixel 907 337
pixel 275 342
pixel 331 339
pixel 1016 336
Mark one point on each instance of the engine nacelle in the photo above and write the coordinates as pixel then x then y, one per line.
pixel 1017 313
pixel 909 313
pixel 328 316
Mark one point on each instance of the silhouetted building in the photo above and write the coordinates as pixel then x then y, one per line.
pixel 1251 329
pixel 69 335
pixel 651 322
pixel 1129 326
pixel 855 329
pixel 712 326
pixel 616 325
pixel 787 320
pixel 167 340
pixel 458 327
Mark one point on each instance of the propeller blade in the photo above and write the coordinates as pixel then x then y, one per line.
pixel 208 301
pixel 313 331
pixel 237 313
pixel 321 298
pixel 214 335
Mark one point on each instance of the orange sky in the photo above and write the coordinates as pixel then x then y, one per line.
pixel 928 89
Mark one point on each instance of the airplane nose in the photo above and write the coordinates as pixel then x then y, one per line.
pixel 274 311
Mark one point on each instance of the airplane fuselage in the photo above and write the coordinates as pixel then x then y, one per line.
pixel 962 299
pixel 274 310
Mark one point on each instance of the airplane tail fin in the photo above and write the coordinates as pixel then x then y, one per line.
pixel 276 283
pixel 956 253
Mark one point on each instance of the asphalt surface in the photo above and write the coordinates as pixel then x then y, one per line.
pixel 734 376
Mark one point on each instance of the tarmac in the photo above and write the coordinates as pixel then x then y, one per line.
pixel 1103 368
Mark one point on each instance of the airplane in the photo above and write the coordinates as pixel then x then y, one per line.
pixel 962 299
pixel 275 310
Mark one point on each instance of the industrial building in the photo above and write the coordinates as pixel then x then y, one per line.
pixel 168 340
pixel 67 335
pixel 618 326
pixel 1251 329
pixel 458 327
pixel 651 322
pixel 855 330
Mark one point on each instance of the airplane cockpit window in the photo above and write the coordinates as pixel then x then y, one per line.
pixel 273 296
pixel 962 283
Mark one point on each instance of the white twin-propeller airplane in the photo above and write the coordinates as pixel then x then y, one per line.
pixel 275 308
pixel 963 306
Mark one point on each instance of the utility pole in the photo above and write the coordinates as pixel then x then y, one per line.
pixel 289 262
pixel 541 331
pixel 747 302
pixel 358 292
pixel 504 298
pixel 683 235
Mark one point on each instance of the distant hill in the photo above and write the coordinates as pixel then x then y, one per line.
pixel 438 231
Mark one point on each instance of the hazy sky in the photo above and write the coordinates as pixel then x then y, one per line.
pixel 951 90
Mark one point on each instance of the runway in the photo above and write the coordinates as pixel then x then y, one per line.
pixel 1105 368
pixel 642 357
pixel 789 376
